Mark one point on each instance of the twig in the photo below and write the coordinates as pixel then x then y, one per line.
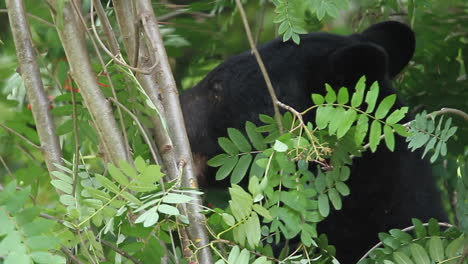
pixel 21 136
pixel 70 255
pixel 269 85
pixel 404 230
pixel 156 157
pixel 120 251
pixel 33 16
pixel 75 136
pixel 50 217
pixel 6 168
pixel 180 12
pixel 454 111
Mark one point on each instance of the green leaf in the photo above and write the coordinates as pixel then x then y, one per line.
pixel 335 198
pixel 241 169
pixel 330 97
pixel 127 169
pixel 323 205
pixel 62 186
pixel 318 99
pixel 140 164
pixel 389 138
pixel 371 97
pixel 401 258
pixel 233 255
pixel 228 146
pixel 117 175
pixel 174 198
pixel 358 95
pixel 343 96
pixel 455 247
pixel 98 194
pixel 227 167
pixel 243 257
pixel 385 106
pixel 266 119
pixel 401 130
pixel 241 202
pixel 402 236
pixel 336 120
pixel 239 140
pixel 262 211
pixel 362 127
pixel 323 116
pixel 419 254
pixel 252 228
pixel 320 182
pixel 434 228
pixel 255 137
pixel 429 146
pixel 262 260
pixel 67 200
pixel 108 184
pixel 348 119
pixel 168 209
pixel 342 188
pixel 148 218
pixel 62 176
pixel 374 135
pixel 280 146
pixel 151 174
pixel 228 219
pixel 436 249
pixel 396 116
pixel 419 228
pixel 218 160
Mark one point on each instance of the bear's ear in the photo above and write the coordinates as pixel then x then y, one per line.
pixel 348 64
pixel 396 39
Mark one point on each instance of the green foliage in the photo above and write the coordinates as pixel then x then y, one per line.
pixel 427 245
pixel 425 133
pixel 334 114
pixel 25 237
pixel 291 14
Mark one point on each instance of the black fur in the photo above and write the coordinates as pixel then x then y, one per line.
pixel 387 188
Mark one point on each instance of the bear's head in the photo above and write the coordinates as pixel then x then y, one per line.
pixel 235 91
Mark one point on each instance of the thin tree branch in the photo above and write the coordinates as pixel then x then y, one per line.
pixel 30 73
pixel 119 251
pixel 106 26
pixel 80 66
pixel 111 83
pixel 269 85
pixel 453 111
pixel 148 141
pixel 6 168
pixel 34 17
pixel 175 121
pixel 21 136
pixel 181 12
pixel 70 255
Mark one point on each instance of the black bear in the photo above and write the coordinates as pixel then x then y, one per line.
pixel 387 188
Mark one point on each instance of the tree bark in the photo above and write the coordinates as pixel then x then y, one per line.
pixel 174 118
pixel 30 72
pixel 98 106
